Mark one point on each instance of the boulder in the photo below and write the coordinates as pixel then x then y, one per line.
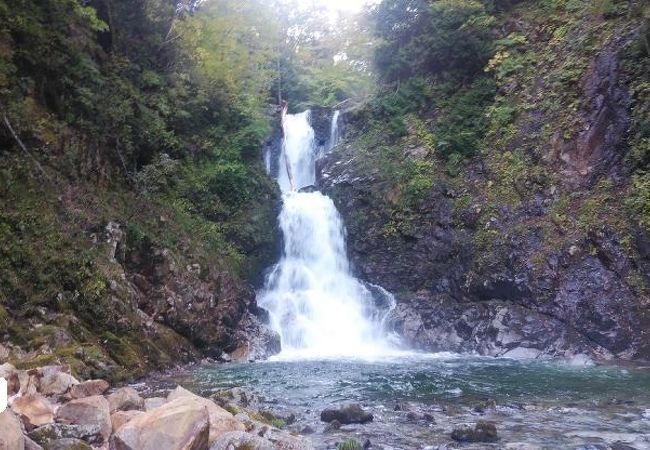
pixel 119 418
pixel 480 432
pixel 34 409
pixel 29 381
pixel 90 433
pixel 177 425
pixel 9 373
pixel 31 445
pixel 348 414
pixel 56 380
pixel 221 421
pixel 125 399
pixel 87 411
pixel 153 403
pixel 4 353
pixel 240 439
pixel 67 444
pixel 11 437
pixel 89 388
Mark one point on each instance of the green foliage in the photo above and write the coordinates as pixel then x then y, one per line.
pixel 420 37
pixel 463 119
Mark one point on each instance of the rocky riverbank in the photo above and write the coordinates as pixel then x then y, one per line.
pixel 50 409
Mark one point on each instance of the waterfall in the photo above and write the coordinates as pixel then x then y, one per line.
pixel 334 131
pixel 315 304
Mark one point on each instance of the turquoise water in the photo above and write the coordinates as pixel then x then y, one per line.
pixel 542 404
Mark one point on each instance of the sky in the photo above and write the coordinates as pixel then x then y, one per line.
pixel 344 5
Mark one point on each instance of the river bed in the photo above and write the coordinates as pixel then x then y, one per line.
pixel 418 400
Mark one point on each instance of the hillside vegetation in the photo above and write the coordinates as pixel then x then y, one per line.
pixel 505 159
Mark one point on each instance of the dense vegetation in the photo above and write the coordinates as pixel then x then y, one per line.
pixel 487 101
pixel 150 115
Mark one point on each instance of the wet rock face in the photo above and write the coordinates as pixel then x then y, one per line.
pixel 432 255
pixel 607 118
pixel 579 303
pixel 321 122
pixel 214 309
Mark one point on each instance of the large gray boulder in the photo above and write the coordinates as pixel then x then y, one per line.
pixel 87 411
pixel 347 414
pixel 56 380
pixel 34 410
pixel 120 418
pixel 177 425
pixel 11 437
pixel 90 433
pixel 125 399
pixel 221 421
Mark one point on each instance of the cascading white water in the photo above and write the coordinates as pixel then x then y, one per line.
pixel 317 306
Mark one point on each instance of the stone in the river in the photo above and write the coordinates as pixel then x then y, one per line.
pixel 307 430
pixel 11 437
pixel 221 421
pixel 34 409
pixel 67 444
pixel 480 432
pixel 348 414
pixel 89 388
pixel 177 425
pixel 486 405
pixel 119 418
pixel 90 433
pixel 125 399
pixel 332 426
pixel 87 411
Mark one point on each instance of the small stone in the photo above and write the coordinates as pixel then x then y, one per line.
pixel 573 250
pixel 125 399
pixel 89 388
pixel 9 373
pixel 332 426
pixel 481 432
pixel 486 405
pixel 307 430
pixel 4 352
pixel 242 440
